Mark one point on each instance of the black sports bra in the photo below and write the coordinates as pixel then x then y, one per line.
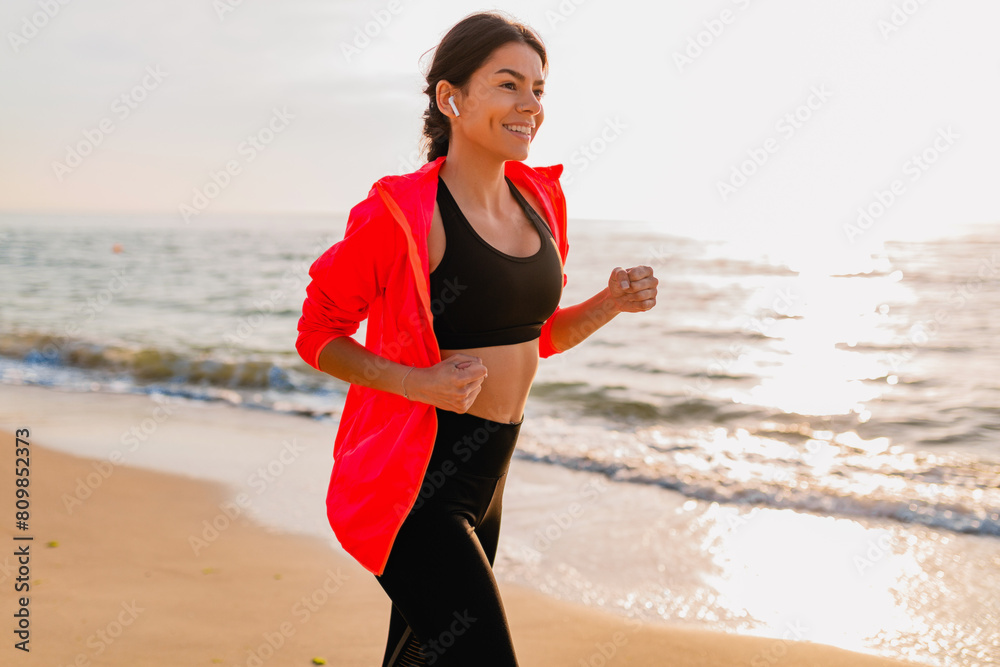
pixel 482 297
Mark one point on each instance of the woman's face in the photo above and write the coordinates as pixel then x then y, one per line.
pixel 504 92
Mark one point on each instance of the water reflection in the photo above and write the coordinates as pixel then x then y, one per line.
pixel 806 369
pixel 834 579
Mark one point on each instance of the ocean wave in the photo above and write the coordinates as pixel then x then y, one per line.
pixel 833 477
pixel 607 402
pixel 782 460
pixel 145 364
pixel 902 346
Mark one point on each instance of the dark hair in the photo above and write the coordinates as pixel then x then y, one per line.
pixel 462 51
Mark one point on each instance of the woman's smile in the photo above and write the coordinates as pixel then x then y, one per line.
pixel 520 131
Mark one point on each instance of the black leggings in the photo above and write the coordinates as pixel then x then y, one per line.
pixel 446 605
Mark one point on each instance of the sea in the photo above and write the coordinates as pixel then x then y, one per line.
pixel 759 390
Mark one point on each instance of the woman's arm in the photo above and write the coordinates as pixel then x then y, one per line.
pixel 630 291
pixel 575 323
pixel 452 384
pixel 345 280
pixel 346 359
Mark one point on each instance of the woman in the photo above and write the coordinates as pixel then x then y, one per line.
pixel 459 269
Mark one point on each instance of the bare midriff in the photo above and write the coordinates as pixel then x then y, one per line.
pixel 510 368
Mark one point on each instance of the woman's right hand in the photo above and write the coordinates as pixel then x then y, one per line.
pixel 452 384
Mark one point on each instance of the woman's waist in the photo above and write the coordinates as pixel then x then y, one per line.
pixel 510 371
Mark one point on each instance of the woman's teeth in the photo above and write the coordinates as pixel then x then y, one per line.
pixel 520 129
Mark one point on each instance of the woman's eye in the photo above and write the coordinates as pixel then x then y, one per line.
pixel 540 93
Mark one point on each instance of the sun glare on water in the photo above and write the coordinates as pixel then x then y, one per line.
pixel 809 367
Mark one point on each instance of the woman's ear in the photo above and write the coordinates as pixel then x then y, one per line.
pixel 443 92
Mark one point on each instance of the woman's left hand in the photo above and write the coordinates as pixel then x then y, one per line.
pixel 633 290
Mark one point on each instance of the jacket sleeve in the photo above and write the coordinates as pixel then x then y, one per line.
pixel 545 347
pixel 345 280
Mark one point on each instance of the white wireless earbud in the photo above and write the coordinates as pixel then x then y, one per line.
pixel 451 101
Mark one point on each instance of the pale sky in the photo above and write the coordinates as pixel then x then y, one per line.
pixel 872 84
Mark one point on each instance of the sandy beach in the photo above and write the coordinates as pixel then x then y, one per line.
pixel 156 569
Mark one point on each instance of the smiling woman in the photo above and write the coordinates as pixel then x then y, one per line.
pixel 480 72
pixel 461 267
pixel 489 74
pixel 498 85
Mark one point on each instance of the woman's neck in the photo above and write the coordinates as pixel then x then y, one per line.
pixel 478 182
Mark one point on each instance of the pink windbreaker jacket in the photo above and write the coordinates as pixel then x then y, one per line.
pixel 380 271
